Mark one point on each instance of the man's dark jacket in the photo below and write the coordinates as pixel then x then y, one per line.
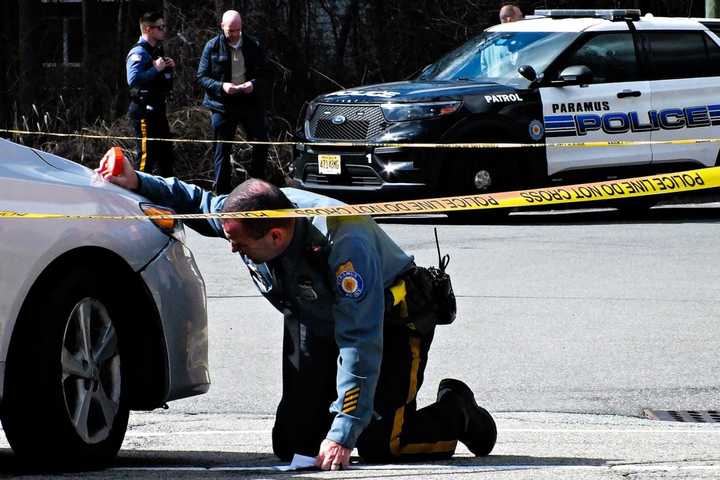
pixel 214 70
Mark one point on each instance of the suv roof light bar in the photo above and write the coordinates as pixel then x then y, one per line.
pixel 614 15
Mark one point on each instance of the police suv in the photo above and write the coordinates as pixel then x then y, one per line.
pixel 564 76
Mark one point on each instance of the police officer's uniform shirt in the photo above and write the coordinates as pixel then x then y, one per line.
pixel 139 66
pixel 362 261
pixel 237 63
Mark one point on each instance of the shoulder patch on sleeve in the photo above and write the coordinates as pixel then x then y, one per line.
pixel 349 282
pixel 135 57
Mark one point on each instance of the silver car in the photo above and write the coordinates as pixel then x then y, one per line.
pixel 97 317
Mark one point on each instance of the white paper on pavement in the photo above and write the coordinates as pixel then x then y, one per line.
pixel 298 463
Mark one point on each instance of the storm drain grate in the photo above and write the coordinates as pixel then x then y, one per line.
pixel 690 416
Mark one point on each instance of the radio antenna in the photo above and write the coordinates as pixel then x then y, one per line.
pixel 443 260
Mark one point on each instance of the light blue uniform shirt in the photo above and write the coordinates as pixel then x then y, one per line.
pixel 362 262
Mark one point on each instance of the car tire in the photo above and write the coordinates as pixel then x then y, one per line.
pixel 65 392
pixel 469 171
pixel 635 207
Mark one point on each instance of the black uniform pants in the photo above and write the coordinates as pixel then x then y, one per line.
pixel 398 431
pixel 152 156
pixel 224 125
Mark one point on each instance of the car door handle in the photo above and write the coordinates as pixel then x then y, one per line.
pixel 629 93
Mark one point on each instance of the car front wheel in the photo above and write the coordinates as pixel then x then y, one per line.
pixel 65 391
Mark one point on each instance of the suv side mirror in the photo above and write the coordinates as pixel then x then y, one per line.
pixel 425 71
pixel 528 72
pixel 576 75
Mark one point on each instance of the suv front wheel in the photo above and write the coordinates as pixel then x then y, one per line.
pixel 478 172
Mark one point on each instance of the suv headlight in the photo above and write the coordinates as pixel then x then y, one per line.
pixel 309 110
pixel 306 114
pixel 402 112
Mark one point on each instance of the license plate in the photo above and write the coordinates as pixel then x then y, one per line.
pixel 329 164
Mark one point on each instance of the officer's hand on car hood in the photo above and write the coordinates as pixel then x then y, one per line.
pixel 126 178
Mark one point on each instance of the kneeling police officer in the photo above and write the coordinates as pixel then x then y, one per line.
pixel 359 318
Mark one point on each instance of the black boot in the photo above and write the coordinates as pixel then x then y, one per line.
pixel 480 431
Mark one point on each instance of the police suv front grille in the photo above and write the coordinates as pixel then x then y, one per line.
pixel 353 175
pixel 346 122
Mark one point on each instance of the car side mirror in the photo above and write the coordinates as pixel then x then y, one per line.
pixel 576 75
pixel 528 72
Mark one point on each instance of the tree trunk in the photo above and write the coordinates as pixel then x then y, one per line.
pixel 5 56
pixel 712 8
pixel 347 22
pixel 221 6
pixel 97 62
pixel 29 68
pixel 120 100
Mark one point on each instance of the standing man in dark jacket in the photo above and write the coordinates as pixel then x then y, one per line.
pixel 149 76
pixel 231 72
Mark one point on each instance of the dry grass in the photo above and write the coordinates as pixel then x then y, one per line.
pixel 194 161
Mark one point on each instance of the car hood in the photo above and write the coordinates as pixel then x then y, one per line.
pixel 75 174
pixel 412 91
pixel 35 168
pixel 42 183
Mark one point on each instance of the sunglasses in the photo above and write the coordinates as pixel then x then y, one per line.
pixel 159 27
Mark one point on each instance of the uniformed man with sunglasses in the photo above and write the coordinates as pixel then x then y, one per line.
pixel 150 77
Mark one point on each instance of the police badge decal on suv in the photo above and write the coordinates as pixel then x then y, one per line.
pixel 561 76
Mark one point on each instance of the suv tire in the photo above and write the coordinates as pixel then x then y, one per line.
pixel 469 170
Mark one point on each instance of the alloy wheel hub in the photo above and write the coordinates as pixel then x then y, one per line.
pixel 91 378
pixel 482 180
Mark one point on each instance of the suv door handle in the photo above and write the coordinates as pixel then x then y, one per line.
pixel 629 93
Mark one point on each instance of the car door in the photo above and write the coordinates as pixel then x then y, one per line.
pixel 613 106
pixel 684 70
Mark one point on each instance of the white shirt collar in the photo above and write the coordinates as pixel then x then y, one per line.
pixel 238 44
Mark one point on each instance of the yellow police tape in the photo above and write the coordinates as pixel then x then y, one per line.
pixel 690 180
pixel 479 145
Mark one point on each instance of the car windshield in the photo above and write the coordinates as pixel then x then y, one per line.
pixel 496 56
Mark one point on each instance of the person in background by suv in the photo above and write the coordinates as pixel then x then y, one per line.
pixel 509 12
pixel 230 71
pixel 149 76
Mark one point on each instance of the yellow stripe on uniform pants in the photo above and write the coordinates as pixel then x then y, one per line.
pixel 143 144
pixel 414 448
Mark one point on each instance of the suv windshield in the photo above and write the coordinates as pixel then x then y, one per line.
pixel 496 56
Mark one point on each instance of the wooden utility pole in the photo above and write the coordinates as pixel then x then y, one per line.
pixel 712 8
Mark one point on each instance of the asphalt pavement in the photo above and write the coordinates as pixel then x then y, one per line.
pixel 571 325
